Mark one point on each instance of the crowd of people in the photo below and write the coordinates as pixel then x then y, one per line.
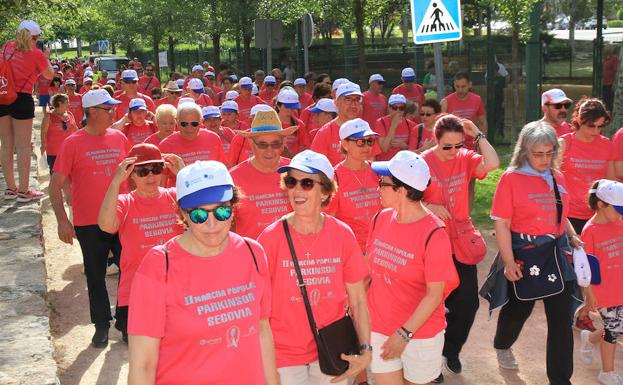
pixel 257 221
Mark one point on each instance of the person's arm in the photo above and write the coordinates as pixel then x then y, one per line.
pixel 143 359
pixel 490 159
pixel 444 105
pixel 267 346
pixel 385 142
pixel 107 217
pixel 574 238
pixel 45 124
pixel 118 125
pixel 503 238
pixel 482 121
pixel 65 229
pixel 618 169
pixel 611 172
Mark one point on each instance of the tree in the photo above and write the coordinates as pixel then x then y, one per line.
pixel 618 96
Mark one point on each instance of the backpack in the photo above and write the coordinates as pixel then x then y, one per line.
pixel 7 84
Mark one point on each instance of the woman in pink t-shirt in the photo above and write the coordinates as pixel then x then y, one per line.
pixel 332 267
pixel 57 125
pixel 200 303
pixel 424 134
pixel 411 268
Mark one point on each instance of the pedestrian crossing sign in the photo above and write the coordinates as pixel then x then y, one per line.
pixel 436 21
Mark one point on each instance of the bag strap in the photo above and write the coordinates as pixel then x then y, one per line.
pixel 558 199
pixel 252 254
pixel 300 283
pixel 166 257
pixel 149 83
pixel 431 235
pixel 433 164
pixel 420 128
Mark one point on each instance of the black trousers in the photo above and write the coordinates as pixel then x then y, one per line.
pixel 462 305
pixel 95 245
pixel 121 319
pixel 559 333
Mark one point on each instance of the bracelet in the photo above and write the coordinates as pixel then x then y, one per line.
pixel 402 335
pixel 480 136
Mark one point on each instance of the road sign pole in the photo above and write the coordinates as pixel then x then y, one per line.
pixel 305 47
pixel 439 71
pixel 533 57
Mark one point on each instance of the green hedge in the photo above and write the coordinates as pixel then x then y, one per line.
pixel 615 23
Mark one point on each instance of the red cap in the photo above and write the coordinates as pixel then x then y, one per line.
pixel 145 153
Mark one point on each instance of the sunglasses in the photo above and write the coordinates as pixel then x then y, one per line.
pixel 425 114
pixel 548 154
pixel 199 215
pixel 449 147
pixel 363 141
pixel 306 183
pixel 385 184
pixel 130 81
pixel 186 124
pixel 264 146
pixel 398 108
pixel 144 170
pixel 558 106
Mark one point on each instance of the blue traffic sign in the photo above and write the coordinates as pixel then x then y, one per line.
pixel 436 21
pixel 103 45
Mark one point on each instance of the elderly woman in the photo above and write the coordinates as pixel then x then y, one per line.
pixel 200 303
pixel 453 167
pixel 333 272
pixel 166 121
pixel 264 201
pixel 412 273
pixel 144 218
pixel 357 199
pixel 530 209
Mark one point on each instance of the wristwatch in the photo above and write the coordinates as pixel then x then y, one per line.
pixel 407 332
pixel 363 347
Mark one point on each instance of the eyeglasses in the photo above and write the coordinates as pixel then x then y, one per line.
pixel 426 114
pixel 558 106
pixel 382 183
pixel 264 146
pixel 306 183
pixel 363 141
pixel 143 171
pixel 199 215
pixel 542 154
pixel 186 124
pixel 398 108
pixel 449 147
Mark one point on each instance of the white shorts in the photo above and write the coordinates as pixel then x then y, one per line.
pixel 305 375
pixel 420 361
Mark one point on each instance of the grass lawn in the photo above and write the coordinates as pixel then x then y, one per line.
pixel 486 188
pixel 582 67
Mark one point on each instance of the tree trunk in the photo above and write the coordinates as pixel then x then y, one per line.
pixel 216 49
pixel 572 22
pixel 358 7
pixel 79 46
pixel 372 33
pixel 155 48
pixel 405 28
pixel 617 108
pixel 247 53
pixel 515 84
pixel 171 54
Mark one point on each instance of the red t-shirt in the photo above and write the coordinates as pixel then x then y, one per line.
pixel 154 139
pixel 415 93
pixel 75 107
pixel 56 133
pixel 26 66
pixel 374 107
pixel 162 101
pixel 268 96
pixel 240 150
pixel 617 143
pixel 206 146
pixel 226 135
pixel 306 100
pixel 605 241
pixel 299 140
pixel 357 200
pixel 43 85
pixel 122 109
pixel 529 203
pixel 329 260
pixel 311 123
pixel 205 311
pixel 90 162
pixel 404 132
pixel 583 163
pixel 147 83
pixel 401 265
pixel 138 134
pixel 204 100
pixel 264 201
pixel 327 142
pixel 426 135
pixel 143 224
pixel 562 128
pixel 245 105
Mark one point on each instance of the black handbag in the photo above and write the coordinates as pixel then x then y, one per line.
pixel 540 266
pixel 332 340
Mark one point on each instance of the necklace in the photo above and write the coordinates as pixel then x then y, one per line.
pixel 308 253
pixel 362 188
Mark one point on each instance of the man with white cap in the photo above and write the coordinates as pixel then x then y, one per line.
pixel 327 139
pixel 395 129
pixel 269 90
pixel 87 83
pixel 409 88
pixel 246 100
pixel 89 159
pixel 336 84
pixel 171 94
pixel 197 72
pixel 75 101
pixel 129 87
pixel 134 124
pixel 374 103
pixel 196 90
pixel 148 80
pixel 305 98
pixel 555 106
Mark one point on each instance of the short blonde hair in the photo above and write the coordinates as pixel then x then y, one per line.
pixel 23 40
pixel 165 110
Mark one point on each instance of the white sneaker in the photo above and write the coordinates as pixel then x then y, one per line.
pixel 506 359
pixel 587 349
pixel 609 378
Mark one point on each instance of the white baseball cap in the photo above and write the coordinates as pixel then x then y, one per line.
pixel 259 107
pixel 231 95
pixel 202 183
pixel 376 78
pixel 348 89
pixel 197 68
pixel 245 82
pixel 137 104
pixel 300 82
pixel 196 85
pixel 88 74
pixel 338 82
pixel 97 97
pixel 31 26
pixel 408 167
pixel 408 74
pixel 70 82
pixel 397 99
pixel 255 90
pixel 554 96
pixel 180 83
pixel 324 105
pixel 111 81
pixel 270 80
pixel 210 112
pixel 129 75
pixel 87 79
pixel 610 192
pixel 205 63
pixel 229 106
pixel 186 100
pixel 289 98
pixel 209 73
pixel 233 77
pixel 355 128
pixel 310 162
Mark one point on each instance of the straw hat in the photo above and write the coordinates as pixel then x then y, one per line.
pixel 267 122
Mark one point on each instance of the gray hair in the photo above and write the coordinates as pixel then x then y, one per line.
pixel 188 107
pixel 534 134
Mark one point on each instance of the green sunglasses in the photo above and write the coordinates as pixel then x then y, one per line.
pixel 199 215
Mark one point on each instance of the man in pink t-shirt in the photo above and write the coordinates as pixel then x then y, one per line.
pixel 148 80
pixel 246 100
pixel 409 88
pixel 555 104
pixel 305 98
pixel 129 85
pixel 374 102
pixel 89 159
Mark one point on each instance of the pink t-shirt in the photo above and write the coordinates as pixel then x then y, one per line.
pixel 415 93
pixel 56 133
pixel 357 200
pixel 299 140
pixel 401 265
pixel 374 107
pixel 605 241
pixel 138 134
pixel 327 142
pixel 239 150
pixel 90 162
pixel 226 135
pixel 245 105
pixel 404 132
pixel 43 84
pixel 329 260
pixel 562 128
pixel 583 163
pixel 306 100
pixel 268 96
pixel 205 311
pixel 162 101
pixel 122 109
pixel 529 203
pixel 426 135
pixel 154 139
pixel 75 106
pixel 204 100
pixel 617 143
pixel 147 83
pixel 143 224
pixel 470 108
pixel 310 121
pixel 26 66
pixel 264 201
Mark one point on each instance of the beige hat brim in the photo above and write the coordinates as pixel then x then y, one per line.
pixel 282 132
